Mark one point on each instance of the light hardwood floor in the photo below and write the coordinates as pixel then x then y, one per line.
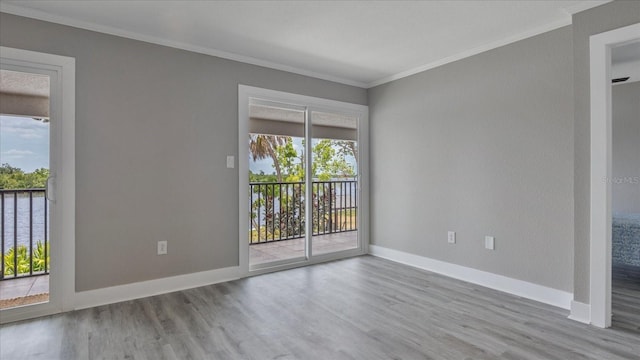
pixel 359 308
pixel 625 298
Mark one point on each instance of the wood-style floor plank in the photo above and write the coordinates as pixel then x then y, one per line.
pixel 359 308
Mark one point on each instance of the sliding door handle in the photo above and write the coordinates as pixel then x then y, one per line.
pixel 49 189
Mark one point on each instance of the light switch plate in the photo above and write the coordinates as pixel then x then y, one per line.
pixel 231 162
pixel 489 242
pixel 451 237
pixel 162 247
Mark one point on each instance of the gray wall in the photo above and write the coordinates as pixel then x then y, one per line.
pixel 481 146
pixel 593 21
pixel 626 148
pixel 153 128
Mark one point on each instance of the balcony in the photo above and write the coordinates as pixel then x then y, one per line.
pixel 277 220
pixel 24 247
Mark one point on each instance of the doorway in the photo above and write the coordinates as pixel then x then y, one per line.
pixel 625 94
pixel 601 46
pixel 301 201
pixel 37 178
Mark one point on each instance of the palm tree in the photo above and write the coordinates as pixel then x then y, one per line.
pixel 264 146
pixel 348 147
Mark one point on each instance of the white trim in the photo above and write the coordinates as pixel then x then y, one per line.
pixel 363 200
pixel 300 262
pixel 314 103
pixel 245 94
pixel 308 181
pixel 580 312
pixel 41 15
pixel 505 284
pixel 115 294
pixel 243 177
pixel 477 50
pixel 601 163
pixel 61 70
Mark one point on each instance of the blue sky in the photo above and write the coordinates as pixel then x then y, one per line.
pixel 24 143
pixel 265 165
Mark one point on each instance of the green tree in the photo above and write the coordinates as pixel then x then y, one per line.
pixel 291 161
pixel 261 177
pixel 8 169
pixel 264 146
pixel 14 178
pixel 329 157
pixel 329 162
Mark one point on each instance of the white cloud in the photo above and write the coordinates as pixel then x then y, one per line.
pixel 25 133
pixel 16 152
pixel 23 127
pixel 30 135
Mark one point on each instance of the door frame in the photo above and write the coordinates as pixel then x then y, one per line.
pixel 61 70
pixel 601 169
pixel 245 94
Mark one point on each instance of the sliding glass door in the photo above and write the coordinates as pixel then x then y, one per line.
pixel 334 165
pixel 304 184
pixel 277 183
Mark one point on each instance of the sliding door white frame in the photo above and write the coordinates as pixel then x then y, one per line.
pixel 61 70
pixel 245 94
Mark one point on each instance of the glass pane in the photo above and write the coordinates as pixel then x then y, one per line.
pixel 276 183
pixel 335 182
pixel 24 157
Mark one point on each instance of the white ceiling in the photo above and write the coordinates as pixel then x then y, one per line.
pixel 362 43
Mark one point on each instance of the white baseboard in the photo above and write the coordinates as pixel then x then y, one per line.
pixel 114 294
pixel 580 312
pixel 512 286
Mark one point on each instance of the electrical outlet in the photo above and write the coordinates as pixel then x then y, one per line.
pixel 489 242
pixel 162 247
pixel 451 237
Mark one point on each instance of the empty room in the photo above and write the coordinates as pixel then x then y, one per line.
pixel 319 179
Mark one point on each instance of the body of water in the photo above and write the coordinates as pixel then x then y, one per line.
pixel 23 220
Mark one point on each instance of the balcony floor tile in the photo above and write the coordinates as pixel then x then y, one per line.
pixel 23 288
pixel 287 249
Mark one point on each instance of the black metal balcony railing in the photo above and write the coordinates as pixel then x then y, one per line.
pixel 24 243
pixel 278 209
